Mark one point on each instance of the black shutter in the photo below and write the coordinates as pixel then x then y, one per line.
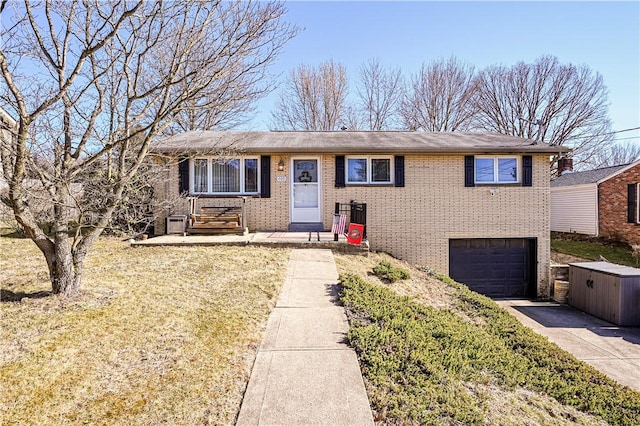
pixel 631 202
pixel 265 176
pixel 527 170
pixel 468 170
pixel 340 171
pixel 183 175
pixel 399 170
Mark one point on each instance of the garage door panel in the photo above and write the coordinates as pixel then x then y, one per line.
pixel 497 243
pixel 477 244
pixel 498 274
pixel 517 275
pixel 496 267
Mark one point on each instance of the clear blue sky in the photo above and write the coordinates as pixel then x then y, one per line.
pixel 603 35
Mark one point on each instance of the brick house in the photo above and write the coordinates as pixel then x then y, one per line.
pixel 602 202
pixel 474 206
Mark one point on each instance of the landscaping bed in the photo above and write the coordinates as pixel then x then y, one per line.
pixel 434 352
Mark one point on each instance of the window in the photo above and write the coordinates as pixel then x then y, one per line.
pixel 369 170
pixel 497 170
pixel 200 175
pixel 633 203
pixel 637 204
pixel 225 176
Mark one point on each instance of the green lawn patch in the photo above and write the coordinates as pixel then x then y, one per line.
pixel 424 365
pixel 592 249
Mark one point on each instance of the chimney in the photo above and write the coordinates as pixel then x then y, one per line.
pixel 565 165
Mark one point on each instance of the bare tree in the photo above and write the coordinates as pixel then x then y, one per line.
pixel 97 81
pixel 546 101
pixel 312 99
pixel 379 95
pixel 240 77
pixel 440 98
pixel 614 154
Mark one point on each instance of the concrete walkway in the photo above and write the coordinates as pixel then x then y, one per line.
pixel 304 372
pixel 613 350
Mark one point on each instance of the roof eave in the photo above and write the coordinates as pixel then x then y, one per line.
pixel 617 172
pixel 387 150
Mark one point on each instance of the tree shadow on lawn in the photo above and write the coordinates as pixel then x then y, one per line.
pixel 8 296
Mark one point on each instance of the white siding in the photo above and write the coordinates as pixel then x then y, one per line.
pixel 575 209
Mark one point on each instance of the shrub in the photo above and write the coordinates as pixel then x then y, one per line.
pixel 385 270
pixel 420 362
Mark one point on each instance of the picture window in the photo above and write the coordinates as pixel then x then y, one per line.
pixel 224 176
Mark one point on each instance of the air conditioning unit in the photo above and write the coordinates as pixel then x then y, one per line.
pixel 177 224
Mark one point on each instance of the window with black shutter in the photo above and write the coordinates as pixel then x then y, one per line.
pixel 183 175
pixel 469 174
pixel 498 169
pixel 399 170
pixel 369 170
pixel 340 173
pixel 632 203
pixel 265 176
pixel 527 170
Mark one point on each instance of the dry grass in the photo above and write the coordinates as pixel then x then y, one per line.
pixel 423 287
pixel 157 336
pixel 501 406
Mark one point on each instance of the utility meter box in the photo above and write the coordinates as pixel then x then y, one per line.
pixel 177 224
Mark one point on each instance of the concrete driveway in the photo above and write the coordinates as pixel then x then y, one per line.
pixel 612 349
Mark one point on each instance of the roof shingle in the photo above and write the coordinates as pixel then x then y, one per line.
pixel 587 176
pixel 351 142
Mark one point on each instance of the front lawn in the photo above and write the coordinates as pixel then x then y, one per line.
pixel 157 336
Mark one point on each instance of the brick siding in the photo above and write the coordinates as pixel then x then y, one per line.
pixel 416 222
pixel 612 207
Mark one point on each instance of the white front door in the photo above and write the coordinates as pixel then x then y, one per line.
pixel 305 190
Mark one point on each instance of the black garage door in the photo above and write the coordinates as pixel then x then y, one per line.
pixel 495 267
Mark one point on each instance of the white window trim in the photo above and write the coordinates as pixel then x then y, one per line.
pixel 369 169
pixel 496 174
pixel 210 160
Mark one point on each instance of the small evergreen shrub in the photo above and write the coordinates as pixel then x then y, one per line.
pixel 386 271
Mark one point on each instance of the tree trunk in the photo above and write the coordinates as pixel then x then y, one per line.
pixel 65 269
pixel 63 254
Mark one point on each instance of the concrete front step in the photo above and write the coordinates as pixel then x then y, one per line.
pixel 306 227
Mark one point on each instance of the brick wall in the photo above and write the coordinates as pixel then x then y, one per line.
pixel 416 222
pixel 612 207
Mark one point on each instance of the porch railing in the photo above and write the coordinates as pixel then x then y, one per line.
pixel 355 213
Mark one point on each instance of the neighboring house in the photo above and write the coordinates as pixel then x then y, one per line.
pixel 474 206
pixel 6 123
pixel 601 202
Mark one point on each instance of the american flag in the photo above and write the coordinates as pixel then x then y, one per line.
pixel 339 223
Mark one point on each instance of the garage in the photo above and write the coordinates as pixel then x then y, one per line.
pixel 495 267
